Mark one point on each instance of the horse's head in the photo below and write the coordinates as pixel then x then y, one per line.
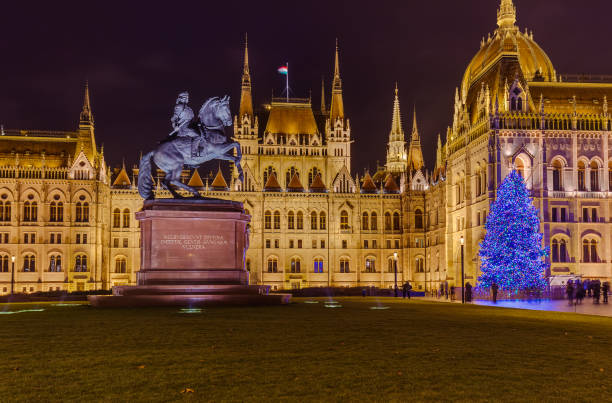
pixel 216 112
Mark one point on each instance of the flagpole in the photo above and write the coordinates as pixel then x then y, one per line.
pixel 287 82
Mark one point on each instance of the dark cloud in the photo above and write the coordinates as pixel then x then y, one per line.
pixel 137 55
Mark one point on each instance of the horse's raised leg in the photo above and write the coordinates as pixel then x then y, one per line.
pixel 227 156
pixel 175 179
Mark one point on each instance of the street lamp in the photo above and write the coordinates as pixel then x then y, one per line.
pixel 395 271
pixel 12 274
pixel 462 274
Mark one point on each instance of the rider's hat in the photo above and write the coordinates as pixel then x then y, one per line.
pixel 183 97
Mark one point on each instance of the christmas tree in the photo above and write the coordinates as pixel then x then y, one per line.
pixel 511 254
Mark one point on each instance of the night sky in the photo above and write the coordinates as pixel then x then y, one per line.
pixel 138 55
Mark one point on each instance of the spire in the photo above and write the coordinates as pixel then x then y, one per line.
pixel 337 104
pixel 86 114
pixel 415 154
pixel 506 15
pixel 439 152
pixel 415 128
pixel 397 133
pixel 323 108
pixel 246 100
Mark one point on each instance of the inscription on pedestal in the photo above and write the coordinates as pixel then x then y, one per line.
pixel 197 242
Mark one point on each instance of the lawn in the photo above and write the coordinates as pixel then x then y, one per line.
pixel 304 352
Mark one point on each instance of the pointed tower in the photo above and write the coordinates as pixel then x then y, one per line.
pixel 246 125
pixel 337 128
pixel 506 15
pixel 415 154
pixel 323 108
pixel 396 148
pixel 87 140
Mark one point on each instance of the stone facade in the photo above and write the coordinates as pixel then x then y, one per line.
pixel 314 223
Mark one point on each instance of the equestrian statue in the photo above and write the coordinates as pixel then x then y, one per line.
pixel 191 143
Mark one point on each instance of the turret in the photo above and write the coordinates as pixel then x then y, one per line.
pixel 87 140
pixel 415 153
pixel 396 148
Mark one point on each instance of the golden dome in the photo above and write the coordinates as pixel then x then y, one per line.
pixel 509 41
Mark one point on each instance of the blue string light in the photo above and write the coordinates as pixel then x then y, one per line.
pixel 511 253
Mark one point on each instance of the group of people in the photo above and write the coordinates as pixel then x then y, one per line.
pixel 575 290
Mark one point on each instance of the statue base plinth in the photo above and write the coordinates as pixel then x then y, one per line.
pixel 192 255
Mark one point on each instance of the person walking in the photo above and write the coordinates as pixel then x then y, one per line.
pixel 404 291
pixel 468 292
pixel 446 289
pixel 569 290
pixel 596 291
pixel 408 288
pixel 452 292
pixel 580 293
pixel 605 288
pixel 494 289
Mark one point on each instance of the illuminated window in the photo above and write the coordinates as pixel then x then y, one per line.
pixel 55 263
pixel 277 224
pixel 116 218
pixel 4 263
pixel 290 220
pixel 300 220
pixel 594 171
pixel 120 265
pixel 344 220
pixel 365 221
pixel 318 265
pixel 581 176
pixel 370 265
pixel 322 221
pixel 272 265
pixel 29 263
pixel 396 221
pixel 80 263
pixel 344 265
pixel 126 218
pixel 387 221
pixel 313 221
pixel 374 221
pixel 418 219
pixel 268 220
pixel 295 265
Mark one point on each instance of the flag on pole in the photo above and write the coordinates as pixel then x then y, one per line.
pixel 283 70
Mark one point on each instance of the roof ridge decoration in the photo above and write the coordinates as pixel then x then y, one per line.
pixel 506 14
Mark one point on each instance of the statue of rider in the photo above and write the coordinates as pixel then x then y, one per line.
pixel 182 122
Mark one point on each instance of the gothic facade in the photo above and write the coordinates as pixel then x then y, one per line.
pixel 68 220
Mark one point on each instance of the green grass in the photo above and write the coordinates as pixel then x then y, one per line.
pixel 304 352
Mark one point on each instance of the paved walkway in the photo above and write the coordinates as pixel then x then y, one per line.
pixel 586 308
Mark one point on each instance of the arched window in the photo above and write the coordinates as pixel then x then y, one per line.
pixel 272 265
pixel 268 220
pixel 586 255
pixel 370 265
pixel 277 220
pixel 5 212
pixel 289 174
pixel 55 263
pixel 391 264
pixel 365 221
pixel 116 218
pixel 53 211
pixel 396 221
pixel 594 256
pixel 322 220
pixel 557 168
pixel 60 211
pixel 519 104
pixel 344 265
pixel 594 171
pixel 120 265
pixel 30 211
pixel 563 255
pixel 126 218
pixel 300 220
pixel 313 221
pixel 581 176
pixel 78 217
pixel 344 220
pixel 318 265
pixel 387 221
pixel 478 184
pixel 4 263
pixel 85 212
pixel 420 265
pixel 29 263
pixel 296 265
pixel 520 167
pixel 290 220
pixel 555 251
pixel 374 221
pixel 80 263
pixel 418 219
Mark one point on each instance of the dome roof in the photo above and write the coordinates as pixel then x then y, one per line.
pixel 509 41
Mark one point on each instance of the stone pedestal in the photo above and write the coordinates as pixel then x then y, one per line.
pixel 192 254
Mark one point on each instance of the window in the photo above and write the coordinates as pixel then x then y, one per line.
pixel 272 265
pixel 4 237
pixel 291 244
pixel 300 220
pixel 365 221
pixel 581 174
pixel 585 214
pixel 365 244
pixel 555 250
pixel 344 244
pixel 391 265
pixel 290 220
pixel 370 265
pixel 289 174
pixel 276 243
pixel 420 265
pixel 387 221
pixel 29 263
pixel 322 244
pixel 80 263
pixel 266 174
pixel 594 171
pixel 5 210
pixel 313 221
pixel 55 263
pixel 312 174
pixel 4 263
pixel 116 218
pixel 125 242
pixel 78 238
pixel 268 220
pixel 267 244
pixel 396 221
pixel 84 238
pixel 557 169
pixel 314 244
pixel 115 242
pixel 589 251
pixel 374 221
pixel 344 266
pixel 397 244
pixel 418 219
pixel 344 220
pixel 322 221
pixel 277 220
pixel 388 244
pixel 374 244
pixel 30 211
pixel 563 256
pixel 121 265
pixel 554 214
pixel 295 265
pixel 563 214
pixel 56 211
pixel 299 244
pixel 318 265
pixel 126 218
pixel 594 215
pixel 594 257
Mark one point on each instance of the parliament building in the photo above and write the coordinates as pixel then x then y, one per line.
pixel 67 219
